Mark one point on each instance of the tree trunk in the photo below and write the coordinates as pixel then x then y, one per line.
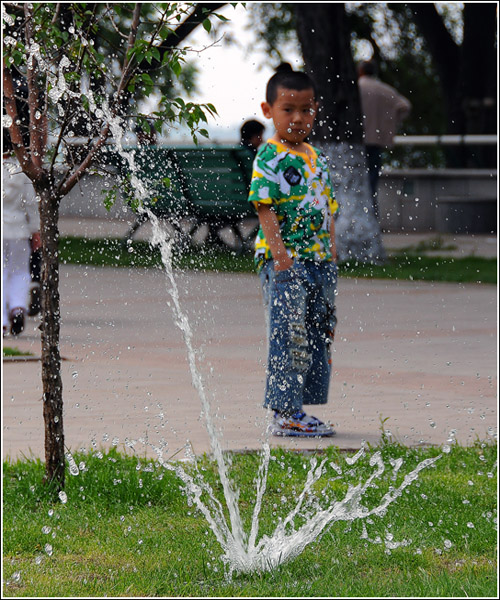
pixel 325 42
pixel 50 328
pixel 357 231
pixel 479 79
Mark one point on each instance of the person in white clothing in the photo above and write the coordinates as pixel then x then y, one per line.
pixel 20 236
pixel 383 110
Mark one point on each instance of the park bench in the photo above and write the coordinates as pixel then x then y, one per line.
pixel 207 186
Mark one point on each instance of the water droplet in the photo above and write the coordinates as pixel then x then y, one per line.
pixel 73 468
pixel 447 544
pixel 48 549
pixel 470 525
pixel 15 578
pixel 46 530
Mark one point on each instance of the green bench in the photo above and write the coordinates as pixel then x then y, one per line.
pixel 208 186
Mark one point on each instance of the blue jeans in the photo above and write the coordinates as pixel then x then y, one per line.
pixel 300 306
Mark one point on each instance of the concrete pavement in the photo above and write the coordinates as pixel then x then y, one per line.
pixel 422 357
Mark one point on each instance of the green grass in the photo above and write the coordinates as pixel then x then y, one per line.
pixel 471 269
pixel 9 351
pixel 127 530
pixel 111 253
pixel 406 265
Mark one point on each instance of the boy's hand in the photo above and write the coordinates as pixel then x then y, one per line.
pixel 271 229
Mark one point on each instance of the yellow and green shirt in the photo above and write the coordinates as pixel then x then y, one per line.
pixel 299 189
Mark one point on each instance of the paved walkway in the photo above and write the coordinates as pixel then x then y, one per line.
pixel 420 357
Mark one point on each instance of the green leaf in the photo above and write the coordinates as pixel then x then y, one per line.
pixel 145 125
pixel 207 26
pixel 110 197
pixel 176 67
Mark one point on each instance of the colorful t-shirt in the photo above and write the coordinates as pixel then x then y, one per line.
pixel 300 191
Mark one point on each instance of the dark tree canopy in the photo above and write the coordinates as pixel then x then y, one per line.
pixel 444 61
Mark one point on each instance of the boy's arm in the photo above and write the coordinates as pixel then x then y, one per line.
pixel 333 250
pixel 270 227
pixel 333 245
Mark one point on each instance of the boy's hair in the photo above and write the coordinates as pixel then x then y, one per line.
pixel 286 77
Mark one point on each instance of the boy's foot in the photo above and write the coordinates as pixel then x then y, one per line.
pixel 299 425
pixel 17 321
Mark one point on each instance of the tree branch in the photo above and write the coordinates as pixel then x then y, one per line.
pixel 127 69
pixel 38 118
pixel 67 115
pixel 66 186
pixel 32 170
pixel 201 11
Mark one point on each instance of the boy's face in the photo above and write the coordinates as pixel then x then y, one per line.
pixel 293 113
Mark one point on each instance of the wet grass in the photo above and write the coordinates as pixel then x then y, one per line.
pixel 127 530
pixel 10 351
pixel 406 265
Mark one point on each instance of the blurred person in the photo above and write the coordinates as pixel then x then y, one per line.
pixel 383 109
pixel 20 237
pixel 251 134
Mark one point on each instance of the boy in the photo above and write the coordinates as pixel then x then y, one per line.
pixel 295 255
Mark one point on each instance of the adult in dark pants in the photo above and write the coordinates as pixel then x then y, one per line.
pixel 383 109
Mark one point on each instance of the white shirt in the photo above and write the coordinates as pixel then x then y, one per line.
pixel 20 216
